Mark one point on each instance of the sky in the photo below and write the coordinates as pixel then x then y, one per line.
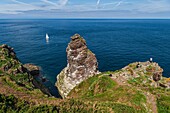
pixel 84 9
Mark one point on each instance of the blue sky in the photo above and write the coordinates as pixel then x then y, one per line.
pixel 84 8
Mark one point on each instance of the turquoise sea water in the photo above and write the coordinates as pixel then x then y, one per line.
pixel 116 42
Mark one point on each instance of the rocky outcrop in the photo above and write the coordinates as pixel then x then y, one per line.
pixel 150 73
pixel 9 63
pixel 23 75
pixel 7 51
pixel 32 69
pixel 34 72
pixel 82 64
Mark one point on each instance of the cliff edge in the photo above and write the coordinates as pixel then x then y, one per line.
pixel 23 75
pixel 137 88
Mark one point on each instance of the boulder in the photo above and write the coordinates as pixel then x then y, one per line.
pixel 32 69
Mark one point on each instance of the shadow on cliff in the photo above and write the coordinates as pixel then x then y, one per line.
pixel 52 90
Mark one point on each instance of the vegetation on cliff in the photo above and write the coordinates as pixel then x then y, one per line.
pixel 134 98
pixel 11 66
pixel 136 88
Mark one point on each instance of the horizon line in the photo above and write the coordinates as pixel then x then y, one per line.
pixel 76 18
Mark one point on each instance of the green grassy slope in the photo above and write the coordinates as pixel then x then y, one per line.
pixel 99 94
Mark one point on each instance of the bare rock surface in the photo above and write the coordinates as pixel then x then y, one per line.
pixel 82 64
pixel 33 69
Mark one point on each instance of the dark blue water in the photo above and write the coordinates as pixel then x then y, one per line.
pixel 116 43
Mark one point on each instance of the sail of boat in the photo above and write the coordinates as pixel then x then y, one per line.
pixel 47 37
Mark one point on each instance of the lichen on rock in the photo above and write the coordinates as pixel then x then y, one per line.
pixel 82 64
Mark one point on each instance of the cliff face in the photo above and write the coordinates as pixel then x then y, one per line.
pixel 9 63
pixel 82 64
pixel 23 75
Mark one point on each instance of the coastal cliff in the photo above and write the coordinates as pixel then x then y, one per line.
pixel 139 87
pixel 82 64
pixel 24 75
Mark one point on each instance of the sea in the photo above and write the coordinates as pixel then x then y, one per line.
pixel 115 42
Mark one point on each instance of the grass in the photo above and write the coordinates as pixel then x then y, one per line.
pixel 102 88
pixel 163 103
pixel 98 94
pixel 120 108
pixel 139 81
pixel 133 66
pixel 2 62
pixel 7 81
pixel 10 104
pixel 1 73
pixel 13 65
pixel 94 86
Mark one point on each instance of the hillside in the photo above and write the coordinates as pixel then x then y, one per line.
pixel 123 94
pixel 137 88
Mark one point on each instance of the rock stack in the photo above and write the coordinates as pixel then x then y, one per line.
pixel 82 64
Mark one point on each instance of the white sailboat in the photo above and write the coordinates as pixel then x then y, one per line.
pixel 47 38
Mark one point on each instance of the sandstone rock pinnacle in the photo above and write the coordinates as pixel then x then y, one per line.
pixel 81 64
